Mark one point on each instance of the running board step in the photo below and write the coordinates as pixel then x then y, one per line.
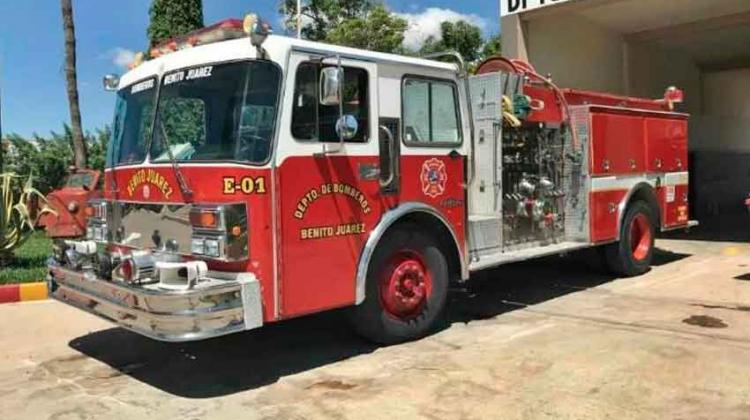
pixel 500 258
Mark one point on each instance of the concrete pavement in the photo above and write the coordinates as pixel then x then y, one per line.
pixel 545 339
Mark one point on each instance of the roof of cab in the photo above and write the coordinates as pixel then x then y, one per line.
pixel 277 48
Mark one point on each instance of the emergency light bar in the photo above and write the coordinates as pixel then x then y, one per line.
pixel 222 31
pixel 252 26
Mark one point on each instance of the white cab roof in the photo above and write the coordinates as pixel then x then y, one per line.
pixel 277 48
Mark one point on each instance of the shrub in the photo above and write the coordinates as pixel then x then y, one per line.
pixel 16 223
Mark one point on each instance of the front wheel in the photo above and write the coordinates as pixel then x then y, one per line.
pixel 632 255
pixel 406 290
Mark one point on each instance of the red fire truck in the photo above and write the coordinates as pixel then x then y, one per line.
pixel 255 178
pixel 69 204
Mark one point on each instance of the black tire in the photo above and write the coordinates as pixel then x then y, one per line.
pixel 631 256
pixel 372 318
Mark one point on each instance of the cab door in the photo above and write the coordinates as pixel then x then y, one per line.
pixel 328 191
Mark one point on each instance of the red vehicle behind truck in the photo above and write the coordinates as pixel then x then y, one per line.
pixel 256 178
pixel 69 219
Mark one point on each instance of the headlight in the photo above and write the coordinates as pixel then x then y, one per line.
pixel 197 246
pixel 73 206
pixel 205 246
pixel 220 231
pixel 212 247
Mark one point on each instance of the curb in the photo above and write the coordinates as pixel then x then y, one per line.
pixel 23 292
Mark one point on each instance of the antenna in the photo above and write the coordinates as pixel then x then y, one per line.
pixel 299 19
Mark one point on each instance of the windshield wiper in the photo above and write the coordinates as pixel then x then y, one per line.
pixel 187 193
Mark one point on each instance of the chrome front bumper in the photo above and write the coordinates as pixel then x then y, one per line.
pixel 217 306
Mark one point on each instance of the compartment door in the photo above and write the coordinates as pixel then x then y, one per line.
pixel 667 144
pixel 618 144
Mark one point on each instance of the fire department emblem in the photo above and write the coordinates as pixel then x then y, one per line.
pixel 433 177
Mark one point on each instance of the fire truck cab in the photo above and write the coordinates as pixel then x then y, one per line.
pixel 255 178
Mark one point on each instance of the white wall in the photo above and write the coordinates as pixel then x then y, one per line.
pixel 577 52
pixel 726 93
pixel 651 70
pixel 580 53
pixel 724 125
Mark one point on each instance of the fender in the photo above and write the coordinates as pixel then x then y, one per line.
pixel 388 219
pixel 646 187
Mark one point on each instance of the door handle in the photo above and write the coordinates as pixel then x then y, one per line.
pixel 368 171
pixel 391 157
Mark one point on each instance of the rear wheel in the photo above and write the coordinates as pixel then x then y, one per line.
pixel 632 255
pixel 406 290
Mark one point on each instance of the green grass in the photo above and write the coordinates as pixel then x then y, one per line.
pixel 29 261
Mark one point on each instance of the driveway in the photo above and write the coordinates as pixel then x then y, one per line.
pixel 545 339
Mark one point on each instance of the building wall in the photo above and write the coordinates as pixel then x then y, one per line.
pixel 726 94
pixel 577 52
pixel 721 150
pixel 725 121
pixel 651 69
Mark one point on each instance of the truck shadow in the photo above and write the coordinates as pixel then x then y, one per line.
pixel 239 362
pixel 515 286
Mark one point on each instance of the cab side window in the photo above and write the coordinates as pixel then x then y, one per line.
pixel 314 122
pixel 430 112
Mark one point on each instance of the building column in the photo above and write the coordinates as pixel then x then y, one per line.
pixel 513 38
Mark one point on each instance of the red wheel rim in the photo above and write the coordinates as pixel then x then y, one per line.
pixel 405 285
pixel 640 237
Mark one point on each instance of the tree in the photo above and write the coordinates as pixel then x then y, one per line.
pixel 171 18
pixel 79 145
pixel 460 36
pixel 16 221
pixel 493 46
pixel 97 144
pixel 47 159
pixel 376 30
pixel 323 16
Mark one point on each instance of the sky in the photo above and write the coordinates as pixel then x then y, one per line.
pixel 32 80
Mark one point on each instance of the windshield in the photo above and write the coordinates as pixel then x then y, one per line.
pixel 217 112
pixel 79 180
pixel 131 128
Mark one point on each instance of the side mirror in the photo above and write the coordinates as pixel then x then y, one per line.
pixel 331 81
pixel 347 127
pixel 111 82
